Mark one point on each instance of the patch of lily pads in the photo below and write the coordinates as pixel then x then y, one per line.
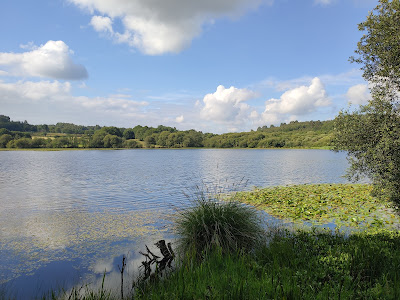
pixel 348 206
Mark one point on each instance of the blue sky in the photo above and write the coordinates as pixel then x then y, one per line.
pixel 211 65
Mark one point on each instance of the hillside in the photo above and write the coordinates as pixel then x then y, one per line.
pixel 14 134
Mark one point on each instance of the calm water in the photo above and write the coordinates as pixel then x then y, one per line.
pixel 68 216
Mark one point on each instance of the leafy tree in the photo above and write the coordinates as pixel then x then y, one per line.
pixel 97 140
pixel 4 139
pixel 193 138
pixel 112 141
pixel 129 134
pixel 40 143
pixel 371 134
pixel 140 132
pixel 379 48
pixel 61 142
pixel 112 130
pixel 4 131
pixel 4 119
pixel 5 122
pixel 42 128
pixel 162 138
pixel 23 143
pixel 150 140
pixel 131 144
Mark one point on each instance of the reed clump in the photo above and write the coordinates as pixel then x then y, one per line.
pixel 211 223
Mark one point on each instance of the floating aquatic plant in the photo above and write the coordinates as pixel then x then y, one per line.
pixel 348 205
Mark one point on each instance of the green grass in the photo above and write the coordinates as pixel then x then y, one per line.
pixel 292 265
pixel 211 223
pixel 302 264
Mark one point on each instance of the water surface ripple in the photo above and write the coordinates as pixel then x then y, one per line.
pixel 94 205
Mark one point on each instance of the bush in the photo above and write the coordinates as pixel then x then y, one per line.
pixel 40 143
pixel 132 144
pixel 211 223
pixel 112 141
pixel 4 139
pixel 23 143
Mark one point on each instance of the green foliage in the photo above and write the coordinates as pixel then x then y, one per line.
pixel 130 144
pixel 112 141
pixel 129 134
pixel 23 143
pixel 371 134
pixel 379 48
pixel 4 131
pixel 4 139
pixel 97 140
pixel 293 135
pixel 292 265
pixel 150 140
pixel 375 150
pixel 192 138
pixel 346 205
pixel 210 223
pixel 67 128
pixel 63 142
pixel 112 130
pixel 141 132
pixel 6 123
pixel 40 143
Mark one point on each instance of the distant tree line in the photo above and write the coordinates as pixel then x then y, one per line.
pixel 67 135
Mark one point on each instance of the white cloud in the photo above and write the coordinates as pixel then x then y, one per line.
pixel 295 102
pixel 51 60
pixel 358 94
pixel 158 26
pixel 351 77
pixel 323 2
pixel 30 90
pixel 226 105
pixel 100 23
pixel 179 119
pixel 51 102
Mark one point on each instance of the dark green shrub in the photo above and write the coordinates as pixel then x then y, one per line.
pixel 129 134
pixel 23 143
pixel 112 141
pixel 132 144
pixel 4 139
pixel 211 223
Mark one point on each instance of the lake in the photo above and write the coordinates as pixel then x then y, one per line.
pixel 66 217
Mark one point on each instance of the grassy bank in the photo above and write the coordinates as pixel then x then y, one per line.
pixel 292 265
pixel 306 263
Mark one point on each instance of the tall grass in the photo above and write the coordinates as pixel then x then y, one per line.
pixel 293 265
pixel 210 223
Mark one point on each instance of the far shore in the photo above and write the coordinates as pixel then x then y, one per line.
pixel 159 148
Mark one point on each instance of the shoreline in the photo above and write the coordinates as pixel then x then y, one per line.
pixel 183 148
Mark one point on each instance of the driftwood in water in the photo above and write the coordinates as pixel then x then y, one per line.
pixel 151 259
pixel 121 269
pixel 167 253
